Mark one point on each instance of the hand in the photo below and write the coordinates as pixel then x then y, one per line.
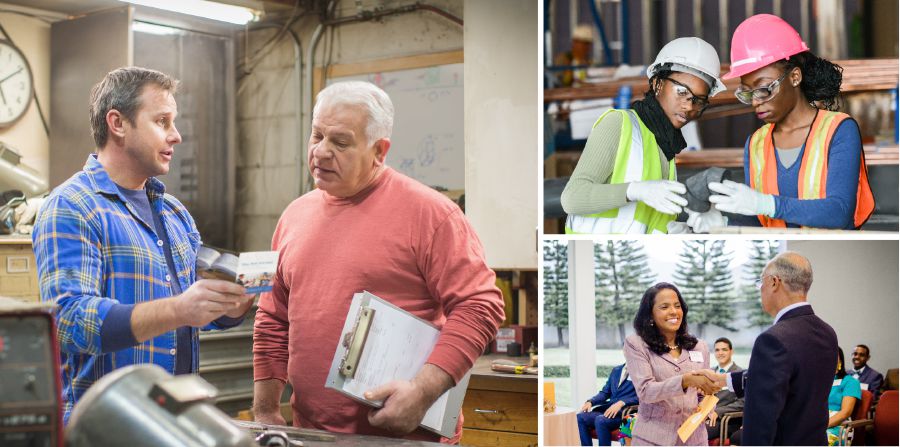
pixel 242 309
pixel 697 379
pixel 675 227
pixel 719 379
pixel 207 300
pixel 711 418
pixel 703 222
pixel 739 198
pixel 662 195
pixel 613 409
pixel 586 407
pixel 406 402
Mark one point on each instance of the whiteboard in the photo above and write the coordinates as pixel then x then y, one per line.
pixel 427 142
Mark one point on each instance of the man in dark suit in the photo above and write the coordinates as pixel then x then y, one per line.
pixel 869 379
pixel 791 367
pixel 728 401
pixel 603 412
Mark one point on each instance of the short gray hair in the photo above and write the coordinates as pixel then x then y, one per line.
pixel 121 90
pixel 365 94
pixel 794 270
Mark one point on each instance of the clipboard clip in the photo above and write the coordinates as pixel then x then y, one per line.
pixel 355 340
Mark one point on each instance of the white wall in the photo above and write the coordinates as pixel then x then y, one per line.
pixel 855 290
pixel 27 136
pixel 271 149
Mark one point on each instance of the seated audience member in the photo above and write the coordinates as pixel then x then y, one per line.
pixel 869 379
pixel 603 412
pixel 844 393
pixel 728 401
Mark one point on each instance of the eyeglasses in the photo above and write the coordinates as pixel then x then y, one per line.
pixel 763 94
pixel 684 93
pixel 759 282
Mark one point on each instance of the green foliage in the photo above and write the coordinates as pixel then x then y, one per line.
pixel 556 286
pixel 564 371
pixel 621 276
pixel 761 252
pixel 704 278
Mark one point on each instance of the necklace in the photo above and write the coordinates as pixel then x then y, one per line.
pixel 672 348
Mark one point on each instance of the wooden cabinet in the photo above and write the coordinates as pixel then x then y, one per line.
pixel 18 272
pixel 500 409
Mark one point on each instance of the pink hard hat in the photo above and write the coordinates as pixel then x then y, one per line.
pixel 761 40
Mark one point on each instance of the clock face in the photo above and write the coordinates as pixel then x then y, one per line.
pixel 15 84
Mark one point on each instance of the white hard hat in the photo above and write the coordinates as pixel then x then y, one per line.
pixel 691 55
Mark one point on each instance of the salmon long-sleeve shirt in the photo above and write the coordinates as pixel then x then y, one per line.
pixel 397 239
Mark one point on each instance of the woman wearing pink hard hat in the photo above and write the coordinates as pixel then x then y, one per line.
pixel 625 179
pixel 805 167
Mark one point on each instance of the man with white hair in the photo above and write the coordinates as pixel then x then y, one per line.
pixel 367 227
pixel 792 365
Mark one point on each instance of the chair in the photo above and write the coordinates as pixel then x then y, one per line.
pixel 860 413
pixel 885 424
pixel 891 381
pixel 724 420
pixel 615 433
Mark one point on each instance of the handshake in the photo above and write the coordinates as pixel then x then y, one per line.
pixel 704 380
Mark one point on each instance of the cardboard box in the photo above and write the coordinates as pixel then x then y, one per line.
pixel 18 273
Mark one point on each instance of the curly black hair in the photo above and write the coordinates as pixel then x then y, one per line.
pixel 822 78
pixel 643 322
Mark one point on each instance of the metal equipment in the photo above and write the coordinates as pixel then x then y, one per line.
pixel 30 406
pixel 143 405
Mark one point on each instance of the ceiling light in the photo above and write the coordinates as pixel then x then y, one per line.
pixel 202 8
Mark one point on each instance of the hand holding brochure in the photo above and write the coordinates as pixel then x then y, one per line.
pixel 254 270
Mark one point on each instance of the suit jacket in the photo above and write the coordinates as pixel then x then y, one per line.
pixel 787 383
pixel 870 377
pixel 664 406
pixel 728 401
pixel 613 392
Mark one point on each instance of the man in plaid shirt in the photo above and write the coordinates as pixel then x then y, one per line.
pixel 117 254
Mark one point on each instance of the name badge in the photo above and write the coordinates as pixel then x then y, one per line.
pixel 696 356
pixel 837 382
pixel 864 386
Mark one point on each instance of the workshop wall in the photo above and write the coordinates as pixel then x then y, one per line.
pixel 27 136
pixel 271 159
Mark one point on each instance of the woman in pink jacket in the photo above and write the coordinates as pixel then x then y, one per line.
pixel 664 361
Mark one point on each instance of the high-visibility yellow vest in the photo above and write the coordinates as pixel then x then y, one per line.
pixel 637 159
pixel 813 167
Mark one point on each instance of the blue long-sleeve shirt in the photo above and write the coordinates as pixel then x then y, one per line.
pixel 97 259
pixel 837 208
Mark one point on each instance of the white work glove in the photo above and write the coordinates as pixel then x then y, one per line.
pixel 661 195
pixel 703 222
pixel 739 198
pixel 675 227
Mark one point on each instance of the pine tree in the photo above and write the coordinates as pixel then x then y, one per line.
pixel 621 276
pixel 761 252
pixel 704 278
pixel 556 287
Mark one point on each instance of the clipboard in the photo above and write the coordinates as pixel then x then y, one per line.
pixel 381 342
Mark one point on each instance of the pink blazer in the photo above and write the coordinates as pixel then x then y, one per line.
pixel 664 406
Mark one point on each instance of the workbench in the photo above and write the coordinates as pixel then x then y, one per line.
pixel 500 409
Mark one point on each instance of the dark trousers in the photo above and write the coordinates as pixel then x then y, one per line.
pixel 602 424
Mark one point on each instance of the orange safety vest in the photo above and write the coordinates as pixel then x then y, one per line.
pixel 813 167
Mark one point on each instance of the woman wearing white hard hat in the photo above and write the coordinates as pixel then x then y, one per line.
pixel 625 179
pixel 805 166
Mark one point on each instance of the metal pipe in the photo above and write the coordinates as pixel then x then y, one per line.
pixel 607 52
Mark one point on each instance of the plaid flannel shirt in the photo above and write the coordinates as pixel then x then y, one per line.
pixel 93 252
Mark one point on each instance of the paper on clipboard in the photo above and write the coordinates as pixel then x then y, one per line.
pixel 687 428
pixel 381 343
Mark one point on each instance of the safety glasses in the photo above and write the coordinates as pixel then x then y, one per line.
pixel 762 94
pixel 684 93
